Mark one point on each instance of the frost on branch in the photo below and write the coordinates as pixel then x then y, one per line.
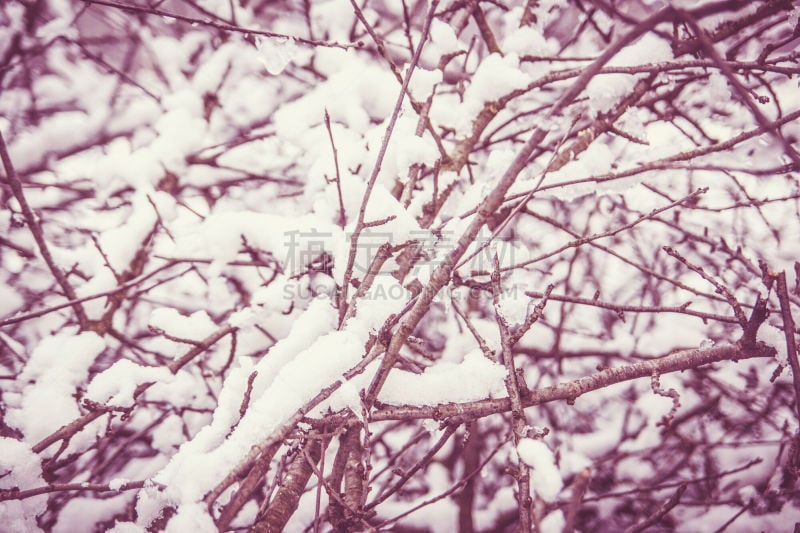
pixel 412 266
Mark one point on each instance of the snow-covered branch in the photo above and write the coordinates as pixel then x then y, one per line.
pixel 421 265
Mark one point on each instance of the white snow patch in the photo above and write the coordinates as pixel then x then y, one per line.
pixel 529 40
pixel 55 368
pixel 777 339
pixel 444 39
pixel 116 384
pixel 495 77
pixel 292 240
pixel 191 517
pixel 85 513
pixel 475 378
pixel 20 468
pixel 554 522
pixel 605 90
pixel 278 53
pixel 126 527
pixel 423 82
pixel 312 357
pixel 172 322
pixel 546 480
pixel 117 483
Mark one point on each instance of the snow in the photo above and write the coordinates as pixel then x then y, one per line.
pixel 546 480
pixel 248 514
pixel 275 296
pixel 794 16
pixel 633 468
pixel 423 82
pixel 10 300
pixel 284 383
pixel 126 527
pixel 691 334
pixel 58 27
pixel 191 517
pixel 243 318
pixel 596 159
pixel 85 513
pixel 405 149
pixel 208 76
pixel 195 326
pixel 605 90
pixel 256 112
pixel 386 296
pixel 120 244
pixel 460 342
pixel 439 515
pixel 554 522
pixel 15 17
pixel 116 385
pixel 55 368
pixel 475 378
pixel 150 502
pixel 293 241
pixel 496 76
pixel 719 516
pixel 239 106
pixel 121 164
pixel 361 90
pixel 571 462
pixel 67 76
pixel 718 88
pixel 167 437
pixel 62 131
pixel 777 339
pixel 443 39
pixel 117 483
pixel 504 501
pixel 514 305
pixel 311 357
pixel 180 130
pixel 334 18
pixel 528 40
pixel 277 53
pixel 20 468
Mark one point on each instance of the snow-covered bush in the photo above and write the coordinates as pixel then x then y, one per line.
pixel 414 266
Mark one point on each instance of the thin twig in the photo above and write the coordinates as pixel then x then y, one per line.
pixel 788 332
pixel 360 221
pixel 342 216
pixel 518 420
pixel 612 232
pixel 492 202
pixel 21 494
pixel 67 431
pixel 621 309
pixel 762 120
pixel 718 287
pixel 220 25
pixel 409 473
pixel 132 283
pixel 448 492
pixel 36 229
pixel 660 513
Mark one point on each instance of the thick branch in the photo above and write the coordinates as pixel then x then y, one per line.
pixel 285 502
pixel 570 391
